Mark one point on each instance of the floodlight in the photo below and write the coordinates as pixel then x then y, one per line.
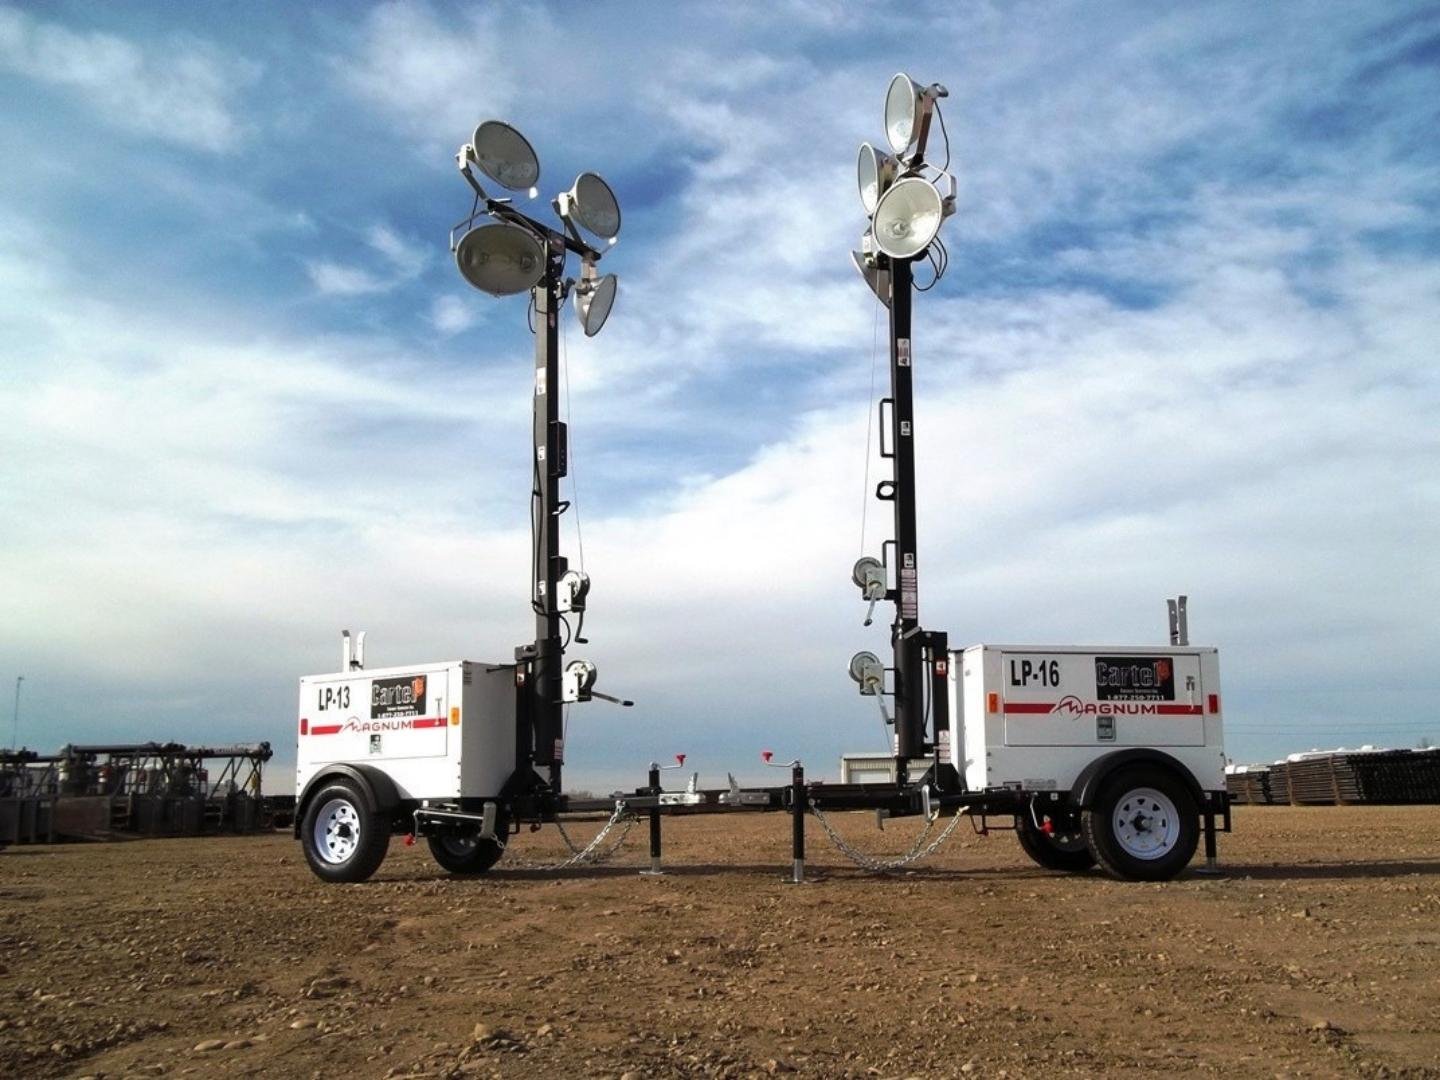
pixel 873 275
pixel 593 301
pixel 505 156
pixel 874 171
pixel 501 259
pixel 908 217
pixel 903 105
pixel 592 205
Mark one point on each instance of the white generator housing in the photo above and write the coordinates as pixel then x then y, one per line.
pixel 439 731
pixel 1033 717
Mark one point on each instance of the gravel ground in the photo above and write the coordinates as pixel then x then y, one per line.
pixel 1317 954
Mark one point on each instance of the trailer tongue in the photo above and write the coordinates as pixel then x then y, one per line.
pixel 1091 754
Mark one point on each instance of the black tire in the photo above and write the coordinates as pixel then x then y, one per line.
pixel 343 839
pixel 1063 849
pixel 1143 824
pixel 466 853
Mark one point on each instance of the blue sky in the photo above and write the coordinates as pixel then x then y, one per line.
pixel 1187 343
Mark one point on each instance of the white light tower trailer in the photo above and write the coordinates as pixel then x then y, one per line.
pixel 1093 754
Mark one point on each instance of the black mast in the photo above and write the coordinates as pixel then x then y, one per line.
pixel 546 655
pixel 905 635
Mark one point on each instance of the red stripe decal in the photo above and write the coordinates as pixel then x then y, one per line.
pixel 422 722
pixel 1154 708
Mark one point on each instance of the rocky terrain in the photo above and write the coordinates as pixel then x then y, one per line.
pixel 1317 954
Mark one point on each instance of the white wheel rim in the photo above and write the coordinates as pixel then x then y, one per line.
pixel 337 831
pixel 1146 823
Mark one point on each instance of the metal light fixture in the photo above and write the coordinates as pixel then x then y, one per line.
pixel 908 217
pixel 903 106
pixel 593 302
pixel 501 259
pixel 875 277
pixel 505 156
pixel 592 205
pixel 874 172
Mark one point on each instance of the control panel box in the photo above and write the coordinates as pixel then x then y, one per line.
pixel 1032 717
pixel 439 731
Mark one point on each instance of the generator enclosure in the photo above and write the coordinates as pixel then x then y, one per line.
pixel 439 731
pixel 1032 717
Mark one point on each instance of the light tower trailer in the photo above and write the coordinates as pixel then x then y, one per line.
pixel 1091 754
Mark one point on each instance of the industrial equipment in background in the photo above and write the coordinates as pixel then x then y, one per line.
pixel 1369 775
pixel 131 790
pixel 1091 754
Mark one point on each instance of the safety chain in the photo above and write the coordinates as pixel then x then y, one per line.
pixel 880 866
pixel 590 853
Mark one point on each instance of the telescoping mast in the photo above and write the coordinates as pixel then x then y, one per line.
pixel 1091 754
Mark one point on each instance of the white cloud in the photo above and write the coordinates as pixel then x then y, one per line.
pixel 182 92
pixel 432 76
pixel 404 260
pixel 334 279
pixel 407 258
pixel 452 314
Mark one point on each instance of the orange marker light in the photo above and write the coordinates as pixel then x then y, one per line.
pixel 994 702
pixel 454 715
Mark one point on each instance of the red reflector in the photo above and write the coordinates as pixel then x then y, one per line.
pixel 941 667
pixel 994 703
pixel 1214 703
pixel 304 726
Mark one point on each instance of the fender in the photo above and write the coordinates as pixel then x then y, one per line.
pixel 376 788
pixel 1087 784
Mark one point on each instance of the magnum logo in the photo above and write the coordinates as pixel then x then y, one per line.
pixel 392 698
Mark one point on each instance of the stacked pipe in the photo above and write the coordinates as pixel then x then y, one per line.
pixel 1384 776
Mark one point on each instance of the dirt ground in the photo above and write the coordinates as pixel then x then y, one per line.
pixel 1317 954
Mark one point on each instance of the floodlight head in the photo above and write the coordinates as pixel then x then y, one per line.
pixel 908 217
pixel 592 205
pixel 903 105
pixel 594 297
pixel 874 171
pixel 505 156
pixel 874 276
pixel 501 258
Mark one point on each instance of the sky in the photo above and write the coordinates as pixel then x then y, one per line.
pixel 1186 344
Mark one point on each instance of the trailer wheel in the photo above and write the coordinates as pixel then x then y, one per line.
pixel 1063 849
pixel 342 838
pixel 1143 825
pixel 466 853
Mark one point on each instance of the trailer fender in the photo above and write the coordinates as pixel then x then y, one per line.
pixel 1087 784
pixel 376 788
